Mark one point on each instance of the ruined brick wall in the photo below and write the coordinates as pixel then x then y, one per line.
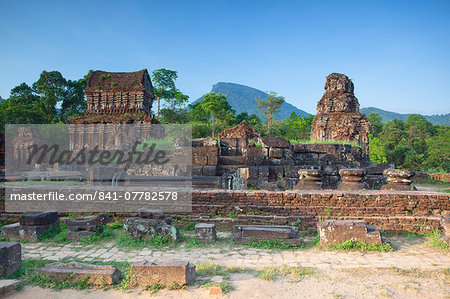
pixel 275 159
pixel 338 116
pixel 390 210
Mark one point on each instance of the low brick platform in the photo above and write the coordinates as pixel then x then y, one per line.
pixel 389 210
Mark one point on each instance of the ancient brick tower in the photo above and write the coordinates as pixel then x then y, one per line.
pixel 115 99
pixel 119 92
pixel 338 116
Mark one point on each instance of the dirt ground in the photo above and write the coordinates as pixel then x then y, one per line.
pixel 327 283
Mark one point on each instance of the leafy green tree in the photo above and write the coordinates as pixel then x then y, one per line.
pixel 270 107
pixel 52 89
pixel 295 127
pixel 377 153
pixel 23 95
pixel 418 126
pixel 376 125
pixel 165 89
pixel 12 112
pixel 438 151
pixel 218 107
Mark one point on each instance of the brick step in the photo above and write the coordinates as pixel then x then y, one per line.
pixel 232 160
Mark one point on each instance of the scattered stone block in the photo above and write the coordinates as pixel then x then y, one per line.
pixel 333 232
pixel 16 231
pixel 151 214
pixel 398 179
pixel 165 272
pixel 98 275
pixel 87 223
pixel 38 218
pixel 255 233
pixel 205 232
pixel 8 285
pixel 351 179
pixel 10 258
pixel 310 179
pixel 142 228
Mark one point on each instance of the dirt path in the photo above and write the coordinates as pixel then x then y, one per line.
pixel 330 283
pixel 413 270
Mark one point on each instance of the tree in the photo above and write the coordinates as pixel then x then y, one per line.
pixel 218 107
pixel 165 89
pixel 376 124
pixel 51 87
pixel 23 95
pixel 270 107
pixel 377 153
pixel 12 112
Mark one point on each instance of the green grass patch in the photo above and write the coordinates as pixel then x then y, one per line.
pixel 272 244
pixel 154 288
pixel 210 269
pixel 351 245
pixel 436 242
pixel 307 141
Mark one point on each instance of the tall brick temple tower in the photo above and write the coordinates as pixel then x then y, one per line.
pixel 115 99
pixel 338 116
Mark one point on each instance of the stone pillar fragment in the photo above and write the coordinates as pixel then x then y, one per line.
pixel 398 179
pixel 351 179
pixel 310 179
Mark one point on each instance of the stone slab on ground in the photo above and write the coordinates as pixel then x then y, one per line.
pixel 141 228
pixel 151 214
pixel 10 258
pixel 87 223
pixel 38 218
pixel 98 274
pixel 205 232
pixel 16 231
pixel 333 232
pixel 8 285
pixel 249 233
pixel 165 272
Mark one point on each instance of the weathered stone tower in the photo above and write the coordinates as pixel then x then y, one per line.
pixel 338 116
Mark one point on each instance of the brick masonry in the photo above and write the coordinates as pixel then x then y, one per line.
pixel 390 210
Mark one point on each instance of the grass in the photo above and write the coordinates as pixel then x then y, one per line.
pixel 272 244
pixel 351 245
pixel 154 288
pixel 434 239
pixel 307 141
pixel 271 273
pixel 211 269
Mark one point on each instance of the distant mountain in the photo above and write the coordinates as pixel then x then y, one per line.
pixel 437 119
pixel 242 99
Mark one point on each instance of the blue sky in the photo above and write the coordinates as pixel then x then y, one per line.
pixel 396 52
